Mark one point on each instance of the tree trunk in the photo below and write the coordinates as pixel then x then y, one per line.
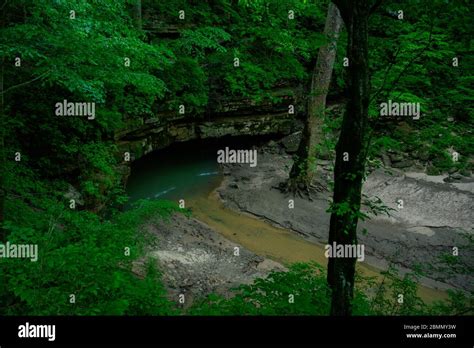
pixel 2 155
pixel 138 14
pixel 304 167
pixel 348 174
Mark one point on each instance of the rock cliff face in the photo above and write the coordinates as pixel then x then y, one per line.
pixel 157 134
pixel 230 118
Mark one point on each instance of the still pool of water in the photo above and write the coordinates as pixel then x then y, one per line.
pixel 175 173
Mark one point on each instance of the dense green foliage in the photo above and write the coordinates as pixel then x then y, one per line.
pixel 91 52
pixel 413 62
pixel 79 254
pixel 85 59
pixel 303 290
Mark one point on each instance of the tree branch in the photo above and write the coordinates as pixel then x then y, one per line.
pixel 416 57
pixel 389 68
pixel 375 6
pixel 24 83
pixel 469 309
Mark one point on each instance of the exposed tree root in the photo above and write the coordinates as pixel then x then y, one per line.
pixel 301 188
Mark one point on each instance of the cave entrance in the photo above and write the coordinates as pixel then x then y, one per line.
pixel 184 170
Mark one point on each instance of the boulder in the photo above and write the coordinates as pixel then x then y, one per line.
pixel 291 142
pixel 402 164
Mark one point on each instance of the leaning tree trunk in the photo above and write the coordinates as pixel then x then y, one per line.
pixel 304 167
pixel 350 156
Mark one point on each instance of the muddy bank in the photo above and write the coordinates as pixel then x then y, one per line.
pixel 195 260
pixel 435 216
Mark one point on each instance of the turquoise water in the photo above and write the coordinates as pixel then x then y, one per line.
pixel 179 172
pixel 183 170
